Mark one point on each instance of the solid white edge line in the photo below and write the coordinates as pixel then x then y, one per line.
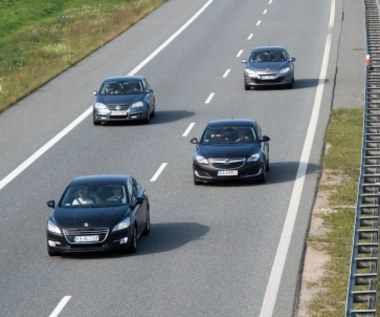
pixel 159 171
pixel 189 128
pixel 12 175
pixel 60 306
pixel 29 161
pixel 226 73
pixel 171 38
pixel 270 297
pixel 208 100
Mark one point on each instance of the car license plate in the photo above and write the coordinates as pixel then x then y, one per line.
pixel 228 173
pixel 92 238
pixel 267 77
pixel 118 113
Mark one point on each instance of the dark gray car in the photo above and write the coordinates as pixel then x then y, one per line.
pixel 269 66
pixel 124 98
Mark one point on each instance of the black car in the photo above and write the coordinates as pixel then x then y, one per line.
pixel 126 98
pixel 229 150
pixel 98 213
pixel 269 66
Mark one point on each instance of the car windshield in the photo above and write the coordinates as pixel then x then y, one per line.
pixel 266 56
pixel 94 196
pixel 228 135
pixel 126 87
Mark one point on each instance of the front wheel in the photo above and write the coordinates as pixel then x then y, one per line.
pixel 147 224
pixel 133 245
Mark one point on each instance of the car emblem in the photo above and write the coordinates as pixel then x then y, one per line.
pixel 118 107
pixel 85 225
pixel 227 162
pixel 268 69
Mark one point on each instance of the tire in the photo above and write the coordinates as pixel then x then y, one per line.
pixel 247 87
pixel 267 165
pixel 263 177
pixel 147 225
pixel 147 119
pixel 154 111
pixel 133 245
pixel 51 252
pixel 196 181
pixel 96 122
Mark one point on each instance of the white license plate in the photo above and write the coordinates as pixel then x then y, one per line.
pixel 118 113
pixel 267 77
pixel 92 238
pixel 228 173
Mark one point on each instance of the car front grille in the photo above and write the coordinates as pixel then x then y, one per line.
pixel 227 163
pixel 71 235
pixel 118 107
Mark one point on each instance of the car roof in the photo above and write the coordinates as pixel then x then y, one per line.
pixel 122 78
pixel 99 179
pixel 270 47
pixel 231 122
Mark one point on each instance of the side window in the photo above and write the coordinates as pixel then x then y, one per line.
pixel 259 131
pixel 131 195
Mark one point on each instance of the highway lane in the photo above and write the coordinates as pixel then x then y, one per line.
pixel 212 247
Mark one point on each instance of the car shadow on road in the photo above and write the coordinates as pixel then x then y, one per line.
pixel 163 237
pixel 161 116
pixel 298 84
pixel 280 172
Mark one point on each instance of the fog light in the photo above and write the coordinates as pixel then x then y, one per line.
pixel 124 240
pixel 53 243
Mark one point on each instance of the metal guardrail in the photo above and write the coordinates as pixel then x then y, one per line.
pixel 362 285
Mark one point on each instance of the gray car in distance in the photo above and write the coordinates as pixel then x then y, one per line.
pixel 269 66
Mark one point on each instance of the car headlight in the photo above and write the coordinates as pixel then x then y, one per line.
pixel 138 104
pixel 285 70
pixel 53 228
pixel 254 158
pixel 250 72
pixel 122 224
pixel 100 106
pixel 201 160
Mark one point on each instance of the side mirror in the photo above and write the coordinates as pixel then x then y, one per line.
pixel 194 141
pixel 265 138
pixel 292 59
pixel 51 203
pixel 95 93
pixel 244 61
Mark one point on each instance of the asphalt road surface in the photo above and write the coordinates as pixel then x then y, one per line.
pixel 215 250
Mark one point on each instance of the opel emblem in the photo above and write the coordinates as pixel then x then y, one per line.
pixel 85 225
pixel 226 162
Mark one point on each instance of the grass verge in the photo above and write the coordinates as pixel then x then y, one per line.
pixel 338 186
pixel 41 39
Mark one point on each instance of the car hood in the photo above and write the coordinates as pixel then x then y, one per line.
pixel 94 217
pixel 270 65
pixel 221 151
pixel 118 99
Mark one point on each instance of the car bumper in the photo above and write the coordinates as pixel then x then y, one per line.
pixel 207 173
pixel 114 241
pixel 275 81
pixel 129 116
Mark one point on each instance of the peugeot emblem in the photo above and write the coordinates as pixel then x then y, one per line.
pixel 227 162
pixel 85 225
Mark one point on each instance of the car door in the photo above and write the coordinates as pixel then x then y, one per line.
pixel 149 94
pixel 139 206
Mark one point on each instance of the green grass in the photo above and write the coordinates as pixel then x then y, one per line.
pixel 342 161
pixel 41 39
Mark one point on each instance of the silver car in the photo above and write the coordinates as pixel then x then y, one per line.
pixel 269 66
